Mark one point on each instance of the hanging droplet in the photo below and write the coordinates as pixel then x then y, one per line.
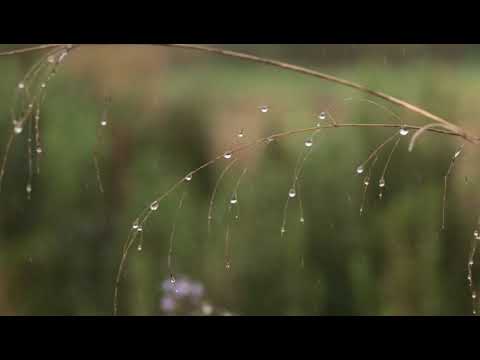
pixel 189 177
pixel 264 109
pixel 21 85
pixel 172 279
pixel 139 229
pixel 234 199
pixel 457 153
pixel 366 182
pixel 282 230
pixel 228 265
pixel 30 105
pixel 135 225
pixel 18 128
pixel 292 193
pixel 302 220
pixel 403 131
pixel 360 169
pixel 51 59
pixel 470 263
pixel 43 85
pixel 104 123
pixel 322 115
pixel 381 183
pixel 29 188
pixel 241 134
pixel 228 155
pixel 39 150
pixel 474 296
pixel 476 235
pixel 154 206
pixel 140 247
pixel 309 143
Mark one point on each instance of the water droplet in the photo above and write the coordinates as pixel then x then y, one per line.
pixel 241 134
pixel 228 155
pixel 292 193
pixel 457 153
pixel 51 59
pixel 282 230
pixel 234 199
pixel 380 195
pixel 139 229
pixel 172 279
pixel 322 115
pixel 469 278
pixel 140 247
pixel 264 108
pixel 29 188
pixel 470 263
pixel 476 235
pixel 39 150
pixel 366 182
pixel 360 169
pixel 381 183
pixel 135 225
pixel 302 220
pixel 30 105
pixel 18 129
pixel 228 265
pixel 21 85
pixel 403 131
pixel 474 296
pixel 309 143
pixel 43 86
pixel 104 123
pixel 189 177
pixel 154 206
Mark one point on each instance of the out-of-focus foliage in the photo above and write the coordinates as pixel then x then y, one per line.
pixel 173 110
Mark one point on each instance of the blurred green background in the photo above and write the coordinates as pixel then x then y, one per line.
pixel 173 110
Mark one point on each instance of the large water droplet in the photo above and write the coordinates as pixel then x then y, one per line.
pixel 309 143
pixel 104 123
pixel 140 247
pixel 154 206
pixel 39 150
pixel 381 183
pixel 264 108
pixel 302 220
pixel 234 199
pixel 360 169
pixel 18 128
pixel 403 131
pixel 189 177
pixel 228 155
pixel 29 188
pixel 43 85
pixel 292 193
pixel 322 115
pixel 21 85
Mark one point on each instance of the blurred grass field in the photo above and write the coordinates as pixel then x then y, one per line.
pixel 173 110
